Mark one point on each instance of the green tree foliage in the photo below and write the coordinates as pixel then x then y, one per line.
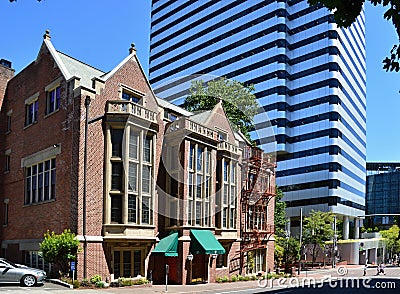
pixel 286 247
pixel 60 249
pixel 280 214
pixel 346 12
pixel 286 251
pixel 392 242
pixel 239 103
pixel 317 230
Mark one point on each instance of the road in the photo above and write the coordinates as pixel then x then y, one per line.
pixel 16 289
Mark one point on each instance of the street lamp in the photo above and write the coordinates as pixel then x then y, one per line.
pixel 334 243
pixel 215 255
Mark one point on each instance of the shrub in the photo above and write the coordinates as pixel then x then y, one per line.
pixel 125 282
pixel 84 283
pixel 240 278
pixel 60 249
pixel 234 279
pixel 246 278
pixel 116 284
pixel 94 279
pixel 100 284
pixel 225 279
pixel 219 280
pixel 253 278
pixel 141 281
pixel 76 284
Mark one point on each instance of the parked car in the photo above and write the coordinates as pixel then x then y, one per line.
pixel 17 273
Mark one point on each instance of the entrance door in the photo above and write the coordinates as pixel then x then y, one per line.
pixel 173 269
pixel 199 268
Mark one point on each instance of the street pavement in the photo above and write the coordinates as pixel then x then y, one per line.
pixel 346 280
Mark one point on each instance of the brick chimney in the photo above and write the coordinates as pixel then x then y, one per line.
pixel 6 73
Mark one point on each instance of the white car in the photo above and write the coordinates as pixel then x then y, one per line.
pixel 16 273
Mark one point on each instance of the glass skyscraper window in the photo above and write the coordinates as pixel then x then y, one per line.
pixel 309 77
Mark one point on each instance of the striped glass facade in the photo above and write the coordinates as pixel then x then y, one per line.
pixel 310 79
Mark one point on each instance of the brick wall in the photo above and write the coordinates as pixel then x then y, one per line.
pixel 233 266
pixel 6 74
pixel 24 141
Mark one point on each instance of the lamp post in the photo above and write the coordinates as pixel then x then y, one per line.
pixel 334 243
pixel 87 104
pixel 301 239
pixel 287 236
pixel 190 258
pixel 214 255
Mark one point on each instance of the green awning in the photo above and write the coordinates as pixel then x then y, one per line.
pixel 204 242
pixel 168 245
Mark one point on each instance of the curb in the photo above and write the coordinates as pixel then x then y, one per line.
pixel 61 283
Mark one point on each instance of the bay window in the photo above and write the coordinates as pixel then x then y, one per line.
pixel 199 185
pixel 131 176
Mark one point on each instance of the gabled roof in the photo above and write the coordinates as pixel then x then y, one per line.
pixel 241 138
pixel 201 117
pixel 80 69
pixel 165 104
pixel 70 66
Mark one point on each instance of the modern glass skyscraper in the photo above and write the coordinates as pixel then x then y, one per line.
pixel 309 75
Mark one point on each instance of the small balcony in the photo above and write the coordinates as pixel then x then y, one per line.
pixel 193 127
pixel 127 107
pixel 228 147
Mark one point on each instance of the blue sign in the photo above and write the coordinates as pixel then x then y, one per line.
pixel 72 265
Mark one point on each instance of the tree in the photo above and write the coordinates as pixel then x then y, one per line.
pixel 286 251
pixel 391 239
pixel 239 103
pixel 60 249
pixel 279 214
pixel 346 12
pixel 286 247
pixel 317 230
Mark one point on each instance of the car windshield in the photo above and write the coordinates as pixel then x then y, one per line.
pixel 10 262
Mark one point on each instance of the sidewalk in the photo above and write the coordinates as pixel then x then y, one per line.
pixel 350 271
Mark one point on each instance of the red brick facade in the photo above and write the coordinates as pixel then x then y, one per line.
pixel 111 235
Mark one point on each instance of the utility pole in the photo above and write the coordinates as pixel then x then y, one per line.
pixel 334 243
pixel 301 237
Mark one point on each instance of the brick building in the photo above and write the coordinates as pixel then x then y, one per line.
pixel 157 177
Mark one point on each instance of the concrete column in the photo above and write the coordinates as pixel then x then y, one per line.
pixel 345 227
pixel 356 228
pixel 288 224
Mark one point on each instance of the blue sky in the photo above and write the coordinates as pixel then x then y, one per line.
pixel 99 32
